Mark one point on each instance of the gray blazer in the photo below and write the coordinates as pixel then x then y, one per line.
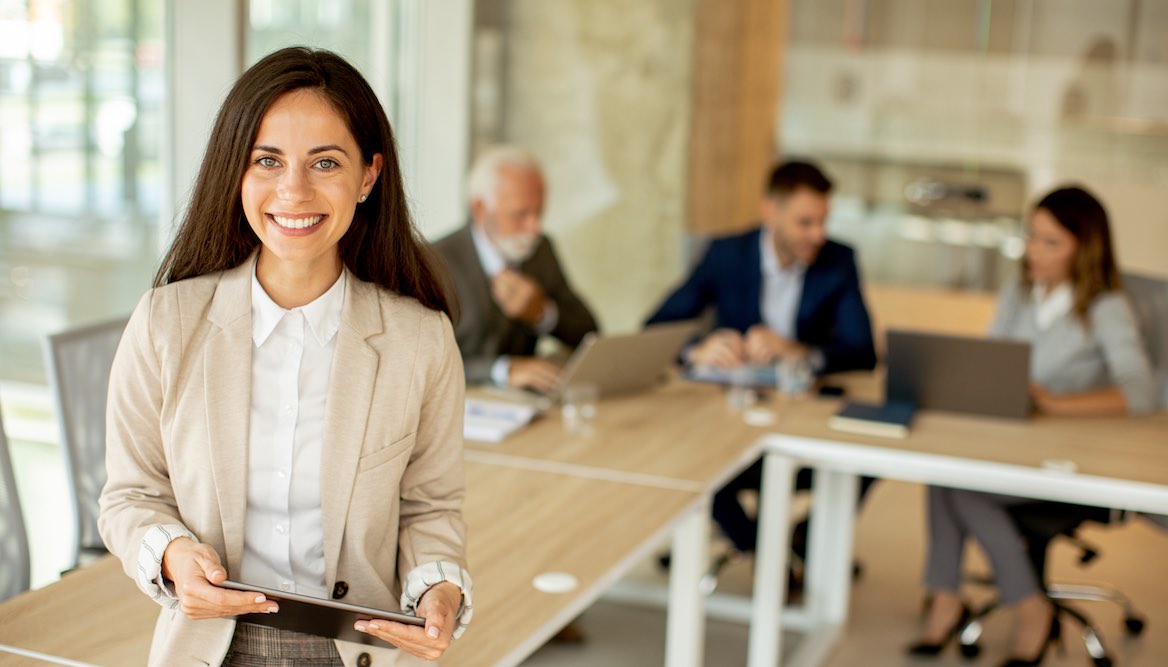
pixel 483 332
pixel 1069 357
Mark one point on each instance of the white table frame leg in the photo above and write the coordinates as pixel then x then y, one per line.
pixel 828 576
pixel 685 632
pixel 770 566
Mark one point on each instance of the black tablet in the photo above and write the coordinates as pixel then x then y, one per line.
pixel 320 617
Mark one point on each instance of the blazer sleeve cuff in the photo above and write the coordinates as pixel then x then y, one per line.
pixel 550 318
pixel 501 371
pixel 421 578
pixel 150 578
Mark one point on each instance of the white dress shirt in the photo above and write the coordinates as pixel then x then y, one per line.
pixel 493 264
pixel 782 288
pixel 1049 307
pixel 283 544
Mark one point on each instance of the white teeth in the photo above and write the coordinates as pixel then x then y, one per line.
pixel 296 223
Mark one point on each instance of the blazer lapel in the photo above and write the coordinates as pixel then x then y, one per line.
pixel 355 365
pixel 480 282
pixel 753 288
pixel 227 368
pixel 810 299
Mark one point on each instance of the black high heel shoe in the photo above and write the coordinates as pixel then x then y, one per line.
pixel 1052 638
pixel 929 649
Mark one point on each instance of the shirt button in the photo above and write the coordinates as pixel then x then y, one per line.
pixel 287 408
pixel 286 585
pixel 280 528
pixel 281 474
pixel 364 660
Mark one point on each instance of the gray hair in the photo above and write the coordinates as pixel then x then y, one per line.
pixel 483 181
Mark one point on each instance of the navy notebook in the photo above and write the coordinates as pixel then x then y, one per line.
pixel 886 420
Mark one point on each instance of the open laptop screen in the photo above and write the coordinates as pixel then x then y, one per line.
pixel 944 372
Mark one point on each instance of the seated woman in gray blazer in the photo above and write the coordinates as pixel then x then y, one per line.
pixel 1086 359
pixel 286 404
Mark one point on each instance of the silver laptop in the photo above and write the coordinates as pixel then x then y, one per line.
pixel 943 372
pixel 627 362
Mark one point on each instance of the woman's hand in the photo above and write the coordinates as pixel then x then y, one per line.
pixel 439 606
pixel 195 569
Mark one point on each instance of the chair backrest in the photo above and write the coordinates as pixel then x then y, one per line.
pixel 14 559
pixel 1149 298
pixel 79 362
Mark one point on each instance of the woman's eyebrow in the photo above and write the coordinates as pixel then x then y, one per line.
pixel 311 151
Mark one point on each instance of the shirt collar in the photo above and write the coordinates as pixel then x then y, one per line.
pixel 323 314
pixel 493 263
pixel 1053 305
pixel 770 260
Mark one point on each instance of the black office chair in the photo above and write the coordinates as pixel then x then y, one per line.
pixel 1040 524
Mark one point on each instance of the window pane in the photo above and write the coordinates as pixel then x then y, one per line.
pixel 342 26
pixel 81 102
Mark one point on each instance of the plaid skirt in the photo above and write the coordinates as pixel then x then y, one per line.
pixel 261 646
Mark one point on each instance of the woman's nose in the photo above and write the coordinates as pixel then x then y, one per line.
pixel 294 186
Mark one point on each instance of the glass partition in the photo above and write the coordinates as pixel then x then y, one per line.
pixel 81 103
pixel 943 122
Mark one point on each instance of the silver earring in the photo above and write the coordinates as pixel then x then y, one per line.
pixel 362 198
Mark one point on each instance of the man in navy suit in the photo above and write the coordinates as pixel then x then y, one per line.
pixel 782 290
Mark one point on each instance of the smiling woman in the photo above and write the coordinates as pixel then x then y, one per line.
pixel 299 194
pixel 296 296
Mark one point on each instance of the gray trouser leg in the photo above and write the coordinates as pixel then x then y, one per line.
pixel 984 516
pixel 946 543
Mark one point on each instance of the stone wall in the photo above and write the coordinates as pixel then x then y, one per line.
pixel 600 91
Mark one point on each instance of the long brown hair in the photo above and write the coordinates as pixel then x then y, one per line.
pixel 1094 270
pixel 381 246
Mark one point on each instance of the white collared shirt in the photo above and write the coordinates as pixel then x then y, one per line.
pixel 493 264
pixel 782 288
pixel 1049 307
pixel 291 363
pixel 489 257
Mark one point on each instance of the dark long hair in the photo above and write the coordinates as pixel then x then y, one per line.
pixel 381 245
pixel 1094 270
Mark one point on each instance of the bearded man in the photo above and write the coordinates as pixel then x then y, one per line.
pixel 504 271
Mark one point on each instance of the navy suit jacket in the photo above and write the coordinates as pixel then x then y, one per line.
pixel 831 316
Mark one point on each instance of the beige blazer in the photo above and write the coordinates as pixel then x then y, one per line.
pixel 177 445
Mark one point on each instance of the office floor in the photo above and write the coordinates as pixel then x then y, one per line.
pixel 886 601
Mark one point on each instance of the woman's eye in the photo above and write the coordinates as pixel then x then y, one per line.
pixel 327 164
pixel 268 162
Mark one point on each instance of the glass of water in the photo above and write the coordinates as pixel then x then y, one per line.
pixel 740 393
pixel 794 377
pixel 578 407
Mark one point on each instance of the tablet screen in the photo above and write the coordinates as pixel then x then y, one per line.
pixel 317 616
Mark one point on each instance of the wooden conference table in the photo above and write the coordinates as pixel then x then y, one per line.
pixel 542 501
pixel 1109 462
pixel 593 506
pixel 523 523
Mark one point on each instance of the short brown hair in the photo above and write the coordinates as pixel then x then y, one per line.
pixel 791 175
pixel 1094 270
